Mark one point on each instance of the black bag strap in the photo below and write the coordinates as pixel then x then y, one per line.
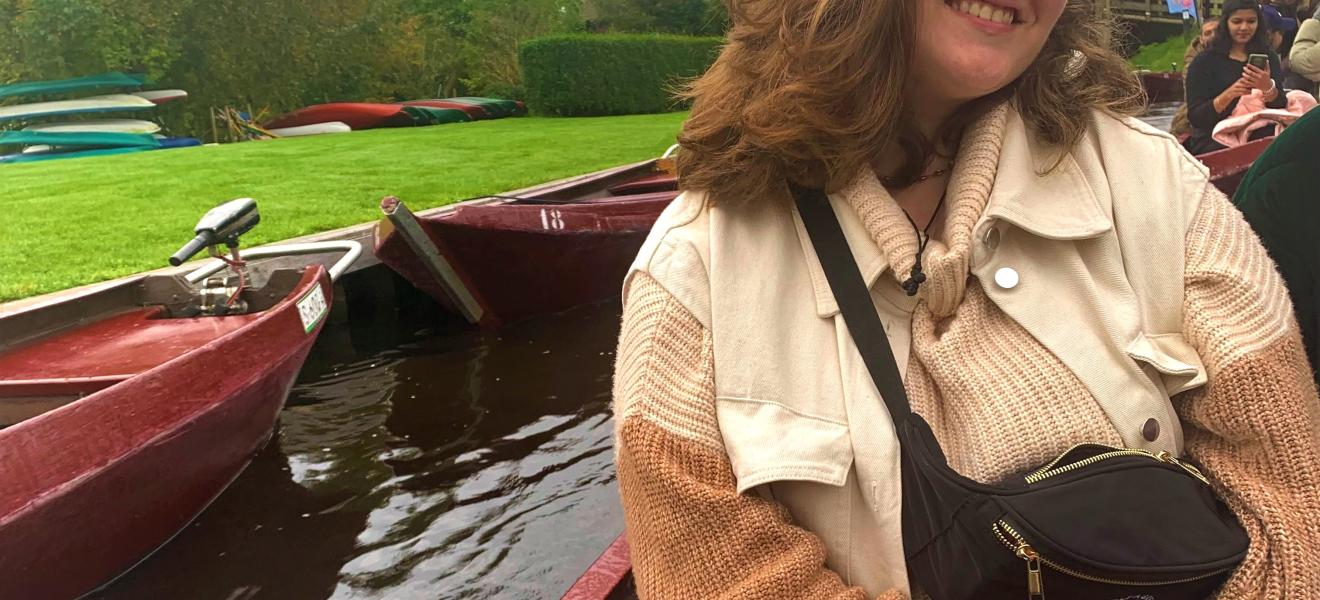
pixel 854 299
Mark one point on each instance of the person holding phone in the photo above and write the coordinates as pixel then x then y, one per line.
pixel 1237 61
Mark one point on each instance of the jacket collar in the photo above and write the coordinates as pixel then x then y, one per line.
pixel 1060 204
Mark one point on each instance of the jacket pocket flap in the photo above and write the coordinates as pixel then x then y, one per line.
pixel 767 441
pixel 1176 360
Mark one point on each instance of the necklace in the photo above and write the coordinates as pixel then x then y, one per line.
pixel 916 277
pixel 891 182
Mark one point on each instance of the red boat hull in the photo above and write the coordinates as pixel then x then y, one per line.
pixel 1163 87
pixel 95 486
pixel 523 260
pixel 1230 165
pixel 358 115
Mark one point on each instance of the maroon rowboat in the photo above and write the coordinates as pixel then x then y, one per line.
pixel 124 412
pixel 1230 165
pixel 1163 87
pixel 502 259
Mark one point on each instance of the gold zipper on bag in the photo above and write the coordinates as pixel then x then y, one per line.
pixel 1051 470
pixel 1035 582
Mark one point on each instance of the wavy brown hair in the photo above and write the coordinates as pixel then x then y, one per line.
pixel 810 91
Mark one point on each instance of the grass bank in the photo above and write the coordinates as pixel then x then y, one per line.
pixel 1161 56
pixel 80 221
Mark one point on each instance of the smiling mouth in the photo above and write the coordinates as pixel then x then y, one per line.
pixel 984 11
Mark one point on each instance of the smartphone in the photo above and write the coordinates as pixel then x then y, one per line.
pixel 1260 61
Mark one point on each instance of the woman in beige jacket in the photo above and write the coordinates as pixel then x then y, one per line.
pixel 1083 283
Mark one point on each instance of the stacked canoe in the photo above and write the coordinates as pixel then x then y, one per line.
pixel 342 116
pixel 61 128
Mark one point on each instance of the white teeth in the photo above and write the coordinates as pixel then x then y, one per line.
pixel 984 11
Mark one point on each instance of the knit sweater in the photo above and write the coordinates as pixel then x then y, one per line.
pixel 998 401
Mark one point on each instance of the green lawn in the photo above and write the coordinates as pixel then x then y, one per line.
pixel 79 221
pixel 1162 55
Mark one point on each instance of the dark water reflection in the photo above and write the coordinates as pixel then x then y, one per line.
pixel 440 463
pixel 1161 115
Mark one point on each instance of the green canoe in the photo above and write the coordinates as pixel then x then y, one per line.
pixel 78 84
pixel 425 115
pixel 27 158
pixel 496 107
pixel 83 138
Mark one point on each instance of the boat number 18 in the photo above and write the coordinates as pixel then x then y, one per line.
pixel 551 219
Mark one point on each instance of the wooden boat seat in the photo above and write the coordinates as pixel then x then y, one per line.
pixel 91 357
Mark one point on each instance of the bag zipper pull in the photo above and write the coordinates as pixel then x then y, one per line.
pixel 1035 585
pixel 1173 460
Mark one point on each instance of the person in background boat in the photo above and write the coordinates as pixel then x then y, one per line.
pixel 1220 75
pixel 1305 56
pixel 1081 281
pixel 1291 11
pixel 1180 127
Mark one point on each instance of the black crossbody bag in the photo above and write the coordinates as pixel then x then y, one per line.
pixel 1097 523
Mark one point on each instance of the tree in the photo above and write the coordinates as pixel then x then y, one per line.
pixel 687 17
pixel 496 28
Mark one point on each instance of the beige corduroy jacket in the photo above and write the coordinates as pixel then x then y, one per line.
pixel 807 427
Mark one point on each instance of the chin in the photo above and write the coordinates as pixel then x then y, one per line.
pixel 978 77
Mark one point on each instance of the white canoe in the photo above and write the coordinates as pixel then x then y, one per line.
pixel 98 125
pixel 313 129
pixel 94 104
pixel 161 96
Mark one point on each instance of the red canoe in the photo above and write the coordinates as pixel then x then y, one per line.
pixel 477 113
pixel 501 260
pixel 122 417
pixel 358 115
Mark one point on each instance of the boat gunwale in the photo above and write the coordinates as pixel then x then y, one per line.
pixel 316 275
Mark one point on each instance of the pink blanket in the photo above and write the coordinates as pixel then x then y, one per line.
pixel 1251 114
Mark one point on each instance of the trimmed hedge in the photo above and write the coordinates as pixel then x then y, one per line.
pixel 611 74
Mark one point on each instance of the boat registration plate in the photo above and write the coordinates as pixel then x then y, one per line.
pixel 311 308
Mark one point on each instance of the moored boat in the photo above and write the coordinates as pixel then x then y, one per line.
pixel 608 578
pixel 1228 166
pixel 1162 87
pixel 507 258
pixel 125 411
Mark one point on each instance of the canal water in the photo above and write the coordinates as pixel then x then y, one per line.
pixel 418 458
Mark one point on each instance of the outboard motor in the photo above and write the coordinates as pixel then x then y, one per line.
pixel 220 225
pixel 223 294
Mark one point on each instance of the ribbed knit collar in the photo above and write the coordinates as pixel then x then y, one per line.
pixel 946 261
